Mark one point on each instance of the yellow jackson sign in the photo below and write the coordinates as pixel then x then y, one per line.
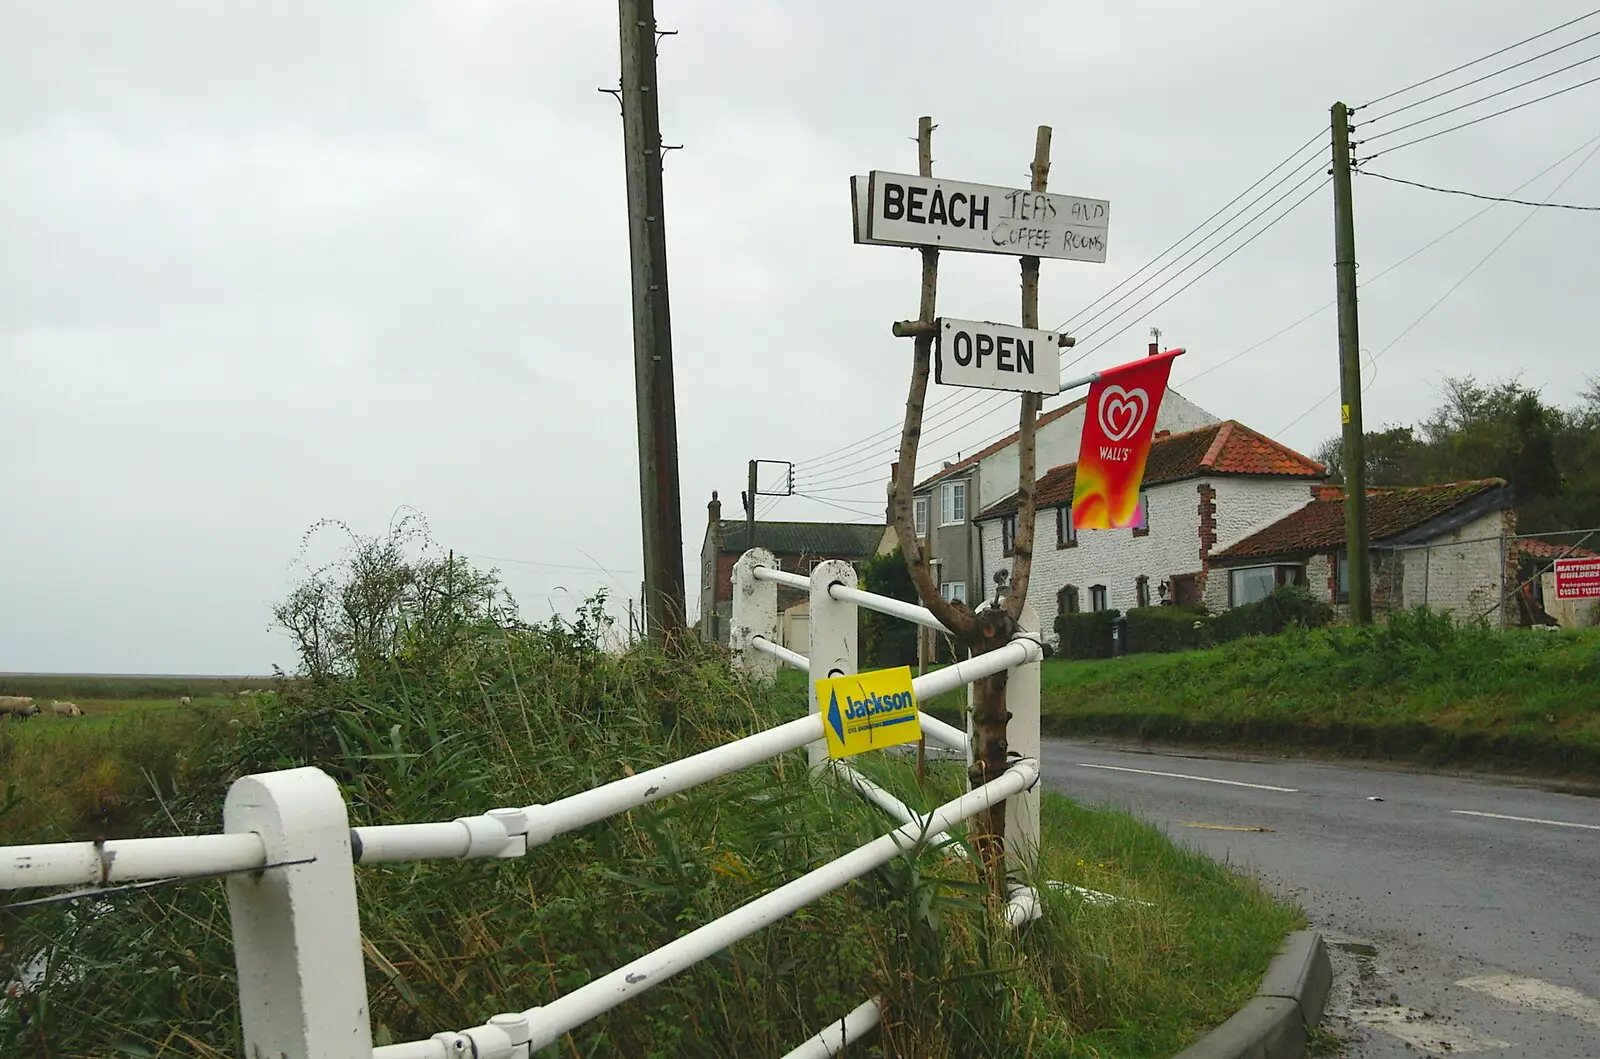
pixel 868 711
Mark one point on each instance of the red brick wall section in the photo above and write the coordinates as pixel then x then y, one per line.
pixel 725 577
pixel 1208 533
pixel 1208 523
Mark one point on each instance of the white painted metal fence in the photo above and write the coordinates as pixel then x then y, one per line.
pixel 292 897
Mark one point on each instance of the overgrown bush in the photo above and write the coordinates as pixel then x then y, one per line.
pixel 1168 628
pixel 425 700
pixel 884 641
pixel 1087 634
pixel 1287 605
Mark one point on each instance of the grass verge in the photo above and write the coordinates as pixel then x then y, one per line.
pixel 1417 688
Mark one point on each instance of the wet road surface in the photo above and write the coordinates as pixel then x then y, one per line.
pixel 1464 915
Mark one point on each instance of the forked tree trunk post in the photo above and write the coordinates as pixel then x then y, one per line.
pixel 989 629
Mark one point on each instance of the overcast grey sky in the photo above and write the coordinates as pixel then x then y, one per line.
pixel 262 264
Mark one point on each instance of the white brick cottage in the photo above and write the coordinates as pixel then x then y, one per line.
pixel 1203 490
pixel 1451 547
pixel 946 504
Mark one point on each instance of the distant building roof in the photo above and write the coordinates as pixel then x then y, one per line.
pixel 1228 447
pixel 1551 549
pixel 828 540
pixel 1391 513
pixel 984 453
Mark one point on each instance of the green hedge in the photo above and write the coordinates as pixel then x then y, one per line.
pixel 1086 635
pixel 1288 605
pixel 1168 628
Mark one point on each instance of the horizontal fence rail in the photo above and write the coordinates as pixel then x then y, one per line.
pixel 128 860
pixel 497 833
pixel 547 1023
pixel 895 608
pixel 781 653
pixel 832 1040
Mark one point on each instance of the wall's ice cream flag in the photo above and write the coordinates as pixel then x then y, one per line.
pixel 1119 420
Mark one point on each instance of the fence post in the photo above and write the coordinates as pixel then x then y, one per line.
pixel 755 613
pixel 1022 739
pixel 833 636
pixel 296 929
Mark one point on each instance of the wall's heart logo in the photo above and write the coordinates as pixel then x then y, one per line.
pixel 1122 412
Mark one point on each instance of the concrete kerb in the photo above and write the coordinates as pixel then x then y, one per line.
pixel 1287 1006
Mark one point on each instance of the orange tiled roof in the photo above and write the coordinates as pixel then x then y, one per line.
pixel 1550 549
pixel 1228 447
pixel 1319 526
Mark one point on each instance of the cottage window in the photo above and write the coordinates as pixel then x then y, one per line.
pixel 1008 534
pixel 1097 597
pixel 1067 600
pixel 1344 579
pixel 1251 584
pixel 1066 535
pixel 954 591
pixel 1141 525
pixel 919 516
pixel 953 504
pixel 1141 591
pixel 1254 583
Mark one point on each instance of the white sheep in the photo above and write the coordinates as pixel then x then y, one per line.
pixel 66 709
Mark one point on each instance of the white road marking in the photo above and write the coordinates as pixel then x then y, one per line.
pixel 1527 819
pixel 1425 1032
pixel 1182 776
pixel 1533 993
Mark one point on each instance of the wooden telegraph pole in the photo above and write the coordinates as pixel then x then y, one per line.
pixel 659 498
pixel 750 508
pixel 1355 458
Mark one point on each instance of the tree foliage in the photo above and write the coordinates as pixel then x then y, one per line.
pixel 1548 453
pixel 887 641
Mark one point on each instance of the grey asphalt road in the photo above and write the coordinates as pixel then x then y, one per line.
pixel 1464 914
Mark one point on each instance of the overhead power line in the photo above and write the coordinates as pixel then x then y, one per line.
pixel 1291 156
pixel 1486 77
pixel 1218 263
pixel 1475 195
pixel 1474 121
pixel 1304 171
pixel 1593 150
pixel 1419 251
pixel 1481 99
pixel 1479 59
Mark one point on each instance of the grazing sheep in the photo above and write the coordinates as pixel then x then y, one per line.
pixel 66 709
pixel 184 701
pixel 18 706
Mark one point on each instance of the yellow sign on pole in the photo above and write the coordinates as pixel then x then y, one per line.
pixel 868 711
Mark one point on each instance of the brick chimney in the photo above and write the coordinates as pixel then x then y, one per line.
pixel 1154 349
pixel 714 509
